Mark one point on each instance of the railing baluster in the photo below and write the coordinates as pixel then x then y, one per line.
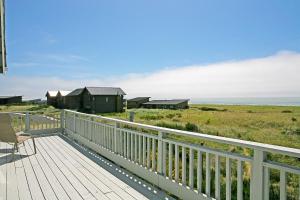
pixel 191 169
pixel 170 160
pixel 148 152
pixel 183 171
pixel 239 180
pixel 208 175
pixel 128 145
pixel 136 148
pixel 199 172
pixel 164 163
pixel 144 150
pixel 153 154
pixel 228 178
pixel 266 183
pixel 217 178
pixel 140 149
pixel 131 145
pixel 282 185
pixel 124 144
pixel 176 163
pixel 160 153
pixel 109 137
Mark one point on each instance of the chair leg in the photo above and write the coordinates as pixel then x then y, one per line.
pixel 17 147
pixel 34 145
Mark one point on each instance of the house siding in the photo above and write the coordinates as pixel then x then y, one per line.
pixel 73 102
pixel 101 103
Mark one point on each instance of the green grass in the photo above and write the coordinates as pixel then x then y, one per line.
pixel 41 109
pixel 278 125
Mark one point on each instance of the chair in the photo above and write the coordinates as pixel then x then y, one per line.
pixel 8 134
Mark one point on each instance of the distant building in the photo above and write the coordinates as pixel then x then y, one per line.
pixel 102 99
pixel 73 100
pixel 137 102
pixel 10 99
pixel 61 98
pixel 167 104
pixel 51 98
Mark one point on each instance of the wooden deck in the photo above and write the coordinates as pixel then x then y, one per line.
pixel 62 169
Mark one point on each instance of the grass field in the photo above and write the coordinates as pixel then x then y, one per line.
pixel 279 125
pixel 44 109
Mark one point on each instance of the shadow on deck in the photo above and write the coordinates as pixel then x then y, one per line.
pixel 63 169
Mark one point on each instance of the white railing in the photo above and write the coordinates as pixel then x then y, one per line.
pixel 189 170
pixel 33 122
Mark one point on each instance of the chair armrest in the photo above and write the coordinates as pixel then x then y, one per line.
pixel 21 133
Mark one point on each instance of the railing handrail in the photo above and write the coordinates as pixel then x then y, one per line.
pixel 231 141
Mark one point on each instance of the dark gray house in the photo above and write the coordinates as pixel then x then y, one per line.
pixel 10 99
pixel 167 104
pixel 73 100
pixel 51 98
pixel 102 99
pixel 137 102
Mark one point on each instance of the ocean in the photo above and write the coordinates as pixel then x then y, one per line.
pixel 276 101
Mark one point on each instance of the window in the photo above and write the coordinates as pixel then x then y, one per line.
pixel 106 99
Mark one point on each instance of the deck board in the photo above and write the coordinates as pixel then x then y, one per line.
pixel 120 178
pixel 52 179
pixel 98 172
pixel 22 182
pixel 64 182
pixel 62 169
pixel 74 169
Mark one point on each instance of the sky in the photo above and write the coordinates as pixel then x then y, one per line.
pixel 163 49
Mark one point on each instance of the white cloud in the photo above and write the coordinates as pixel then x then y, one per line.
pixel 273 76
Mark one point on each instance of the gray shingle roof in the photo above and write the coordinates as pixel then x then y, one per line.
pixel 75 92
pixel 105 91
pixel 138 98
pixel 164 102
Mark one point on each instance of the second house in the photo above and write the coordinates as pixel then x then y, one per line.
pixel 96 99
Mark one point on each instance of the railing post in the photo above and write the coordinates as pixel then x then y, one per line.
pixel 91 128
pixel 160 153
pixel 62 120
pixel 117 125
pixel 27 121
pixel 257 175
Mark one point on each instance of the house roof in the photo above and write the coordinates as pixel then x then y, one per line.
pixel 75 92
pixel 51 93
pixel 164 102
pixel 105 91
pixel 63 92
pixel 8 97
pixel 138 98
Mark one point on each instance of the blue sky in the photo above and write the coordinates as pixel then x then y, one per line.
pixel 79 40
